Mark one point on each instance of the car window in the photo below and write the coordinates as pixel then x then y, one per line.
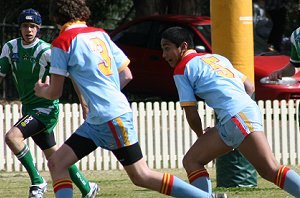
pixel 136 35
pixel 205 30
pixel 160 26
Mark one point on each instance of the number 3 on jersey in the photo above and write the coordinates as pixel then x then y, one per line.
pixel 213 62
pixel 99 46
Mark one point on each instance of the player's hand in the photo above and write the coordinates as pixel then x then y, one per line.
pixel 276 75
pixel 41 87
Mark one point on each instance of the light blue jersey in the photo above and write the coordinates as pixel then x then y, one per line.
pixel 212 78
pixel 93 61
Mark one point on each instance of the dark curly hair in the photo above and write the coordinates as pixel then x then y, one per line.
pixel 178 35
pixel 63 11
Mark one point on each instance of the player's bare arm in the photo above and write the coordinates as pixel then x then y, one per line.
pixel 249 87
pixel 84 106
pixel 50 90
pixel 194 120
pixel 288 70
pixel 125 77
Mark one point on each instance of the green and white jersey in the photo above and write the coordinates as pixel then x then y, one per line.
pixel 295 49
pixel 28 63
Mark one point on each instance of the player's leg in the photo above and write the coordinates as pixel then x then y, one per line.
pixel 257 150
pixel 206 148
pixel 127 150
pixel 58 165
pixel 75 148
pixel 24 128
pixel 87 189
pixel 46 142
pixel 141 175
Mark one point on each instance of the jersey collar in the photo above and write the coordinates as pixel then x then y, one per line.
pixel 188 52
pixel 73 24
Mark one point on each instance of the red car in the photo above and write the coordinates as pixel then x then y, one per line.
pixel 153 77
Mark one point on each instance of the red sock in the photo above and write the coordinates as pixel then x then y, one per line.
pixel 62 183
pixel 280 177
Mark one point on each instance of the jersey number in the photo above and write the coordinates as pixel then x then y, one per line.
pixel 105 66
pixel 213 62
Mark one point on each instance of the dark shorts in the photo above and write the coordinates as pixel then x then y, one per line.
pixel 32 127
pixel 117 135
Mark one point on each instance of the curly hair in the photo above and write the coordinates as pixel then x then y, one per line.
pixel 63 11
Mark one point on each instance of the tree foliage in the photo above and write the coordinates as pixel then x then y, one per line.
pixel 110 13
pixel 190 7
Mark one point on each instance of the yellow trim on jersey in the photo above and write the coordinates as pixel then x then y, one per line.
pixel 188 52
pixel 188 104
pixel 244 78
pixel 124 65
pixel 68 24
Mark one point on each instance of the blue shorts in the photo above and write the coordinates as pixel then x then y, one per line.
pixel 234 131
pixel 112 135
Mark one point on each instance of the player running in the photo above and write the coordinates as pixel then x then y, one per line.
pixel 28 59
pixel 213 78
pixel 100 70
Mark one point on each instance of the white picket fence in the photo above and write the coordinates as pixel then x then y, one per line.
pixel 163 132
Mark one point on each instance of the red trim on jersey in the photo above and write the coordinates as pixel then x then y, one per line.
pixel 64 40
pixel 115 134
pixel 179 69
pixel 240 126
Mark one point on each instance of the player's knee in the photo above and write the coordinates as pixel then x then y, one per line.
pixel 140 178
pixel 268 173
pixel 191 163
pixel 52 164
pixel 137 180
pixel 185 162
pixel 8 138
pixel 188 160
pixel 11 136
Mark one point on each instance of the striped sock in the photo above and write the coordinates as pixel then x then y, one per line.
pixel 176 187
pixel 63 188
pixel 288 180
pixel 26 159
pixel 79 180
pixel 200 179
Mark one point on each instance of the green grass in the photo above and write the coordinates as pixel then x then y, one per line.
pixel 117 184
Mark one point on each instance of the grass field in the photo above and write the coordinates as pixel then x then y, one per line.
pixel 117 184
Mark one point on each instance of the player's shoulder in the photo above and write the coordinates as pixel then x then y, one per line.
pixel 296 31
pixel 295 36
pixel 43 42
pixel 12 41
pixel 11 45
pixel 41 46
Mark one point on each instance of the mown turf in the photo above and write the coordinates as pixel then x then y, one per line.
pixel 117 184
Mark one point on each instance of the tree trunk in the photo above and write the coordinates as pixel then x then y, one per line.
pixel 146 7
pixel 188 7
